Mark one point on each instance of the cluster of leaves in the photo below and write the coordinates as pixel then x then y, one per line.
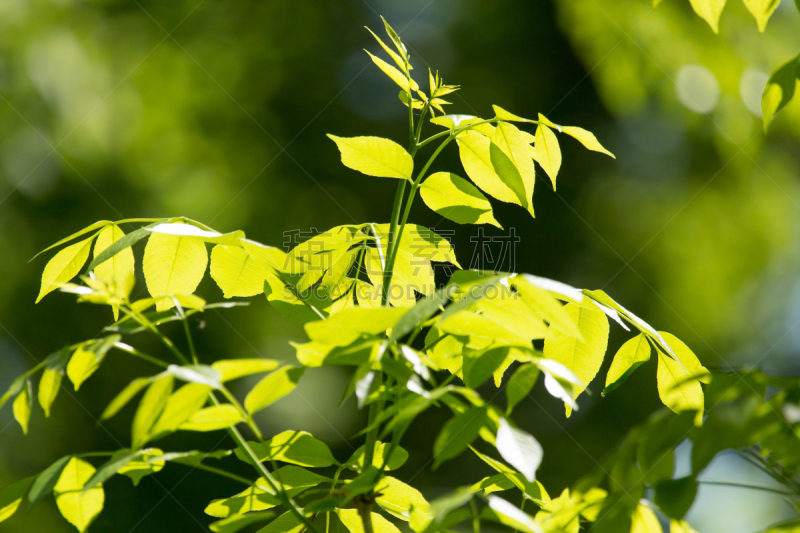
pixel 368 299
pixel 782 83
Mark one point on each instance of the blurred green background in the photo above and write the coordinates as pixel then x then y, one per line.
pixel 217 111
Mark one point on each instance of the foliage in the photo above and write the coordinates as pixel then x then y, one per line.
pixel 367 297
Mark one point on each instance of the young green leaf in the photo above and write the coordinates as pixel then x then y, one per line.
pixel 401 48
pixel 145 463
pixel 272 388
pixel 709 10
pixel 509 515
pixel 295 447
pixel 181 405
pixel 677 389
pixel 583 357
pixel 405 83
pixel 457 199
pixel 780 89
pixel 125 396
pixel 520 384
pixel 11 497
pixel 630 356
pixel 345 327
pixel 79 509
pixel 285 523
pixel 399 61
pixel 375 156
pixel 230 369
pixel 117 272
pixel 517 150
pixel 547 151
pixel 397 459
pixel 173 264
pixel 587 139
pixel 109 469
pixel 479 160
pixel 87 358
pixel 150 408
pixel 502 114
pixel 686 357
pixel 100 224
pixel 22 407
pixel 404 502
pixel 352 521
pixel 200 374
pixel 64 266
pixel 519 449
pixel 457 434
pixel 240 521
pixel 120 245
pixel 236 272
pixel 213 418
pixel 45 481
pixel 49 385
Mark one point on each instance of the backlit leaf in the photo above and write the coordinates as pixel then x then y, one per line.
pixel 780 89
pixel 180 406
pixel 398 458
pixel 710 11
pixel 150 408
pixel 548 152
pixel 404 502
pixel 521 384
pixel 238 522
pixel 457 434
pixel 272 388
pixel 478 161
pixel 457 199
pixel 296 447
pixel 677 389
pixel 100 224
pixel 508 514
pixel 395 75
pixel 341 329
pixel 125 396
pixel 11 497
pixel 173 265
pixel 375 156
pixel 236 272
pixel 630 356
pixel 213 418
pixel 587 139
pixel 64 266
pixel 352 521
pixel 582 357
pixel 87 359
pixel 117 272
pixel 45 481
pixel 49 385
pixel 78 508
pixel 230 369
pixel 22 407
pixel 514 145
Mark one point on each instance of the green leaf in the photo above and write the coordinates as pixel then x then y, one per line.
pixel 117 272
pixel 517 151
pixel 509 515
pixel 710 11
pixel 521 384
pixel 230 369
pixel 480 326
pixel 519 449
pixel 457 434
pixel 236 272
pixel 352 521
pixel 375 156
pixel 240 521
pixel 422 310
pixel 110 468
pixel 404 502
pixel 401 48
pixel 583 357
pixel 273 387
pixel 119 245
pixel 480 160
pixel 285 523
pixel 96 226
pixel 479 366
pixel 630 356
pixel 457 199
pixel 200 374
pixel 533 491
pixel 78 508
pixel 587 139
pixel 677 389
pixel 180 406
pixel 125 396
pixel 45 481
pixel 682 526
pixel 398 458
pixel 398 60
pixel 193 229
pixel 502 114
pixel 49 385
pixel 191 458
pixel 345 327
pixel 145 463
pixel 14 389
pixel 22 407
pixel 11 497
pixel 173 265
pixel 213 418
pixel 395 75
pixel 150 408
pixel 780 89
pixel 64 266
pixel 547 152
pixel 87 358
pixel 686 357
pixel 296 447
pixel 675 496
pixel 260 496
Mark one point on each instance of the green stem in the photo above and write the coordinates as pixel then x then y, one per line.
pixel 476 520
pixel 141 355
pixel 247 416
pixel 749 487
pixel 223 473
pixel 150 327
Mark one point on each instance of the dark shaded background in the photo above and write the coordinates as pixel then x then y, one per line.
pixel 218 110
